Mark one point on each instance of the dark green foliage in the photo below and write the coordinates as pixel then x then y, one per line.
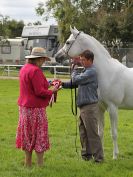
pixel 110 21
pixel 11 28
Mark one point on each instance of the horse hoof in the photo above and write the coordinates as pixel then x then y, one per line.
pixel 115 158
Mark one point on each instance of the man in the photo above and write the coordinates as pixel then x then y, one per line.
pixel 87 101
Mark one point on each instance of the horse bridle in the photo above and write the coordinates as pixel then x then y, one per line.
pixel 66 52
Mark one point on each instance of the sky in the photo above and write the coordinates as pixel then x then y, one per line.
pixel 22 10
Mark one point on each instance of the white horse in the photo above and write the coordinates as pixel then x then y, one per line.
pixel 114 79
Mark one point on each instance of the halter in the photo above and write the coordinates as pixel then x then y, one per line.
pixel 66 52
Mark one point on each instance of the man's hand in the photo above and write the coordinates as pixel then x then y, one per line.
pixel 75 63
pixel 55 90
pixel 74 66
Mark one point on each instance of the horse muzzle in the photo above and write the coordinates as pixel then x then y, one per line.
pixel 60 56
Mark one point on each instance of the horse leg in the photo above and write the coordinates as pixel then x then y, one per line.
pixel 113 112
pixel 102 109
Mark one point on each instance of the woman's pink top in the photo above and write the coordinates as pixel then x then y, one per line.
pixel 33 87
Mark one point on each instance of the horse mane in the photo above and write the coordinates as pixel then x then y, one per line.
pixel 97 44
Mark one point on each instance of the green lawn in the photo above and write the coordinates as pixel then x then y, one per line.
pixel 62 160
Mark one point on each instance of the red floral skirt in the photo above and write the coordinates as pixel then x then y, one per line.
pixel 32 131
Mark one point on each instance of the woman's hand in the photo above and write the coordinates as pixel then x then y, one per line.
pixel 56 84
pixel 55 89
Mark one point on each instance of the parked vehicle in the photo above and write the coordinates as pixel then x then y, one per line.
pixel 12 51
pixel 46 37
pixel 41 36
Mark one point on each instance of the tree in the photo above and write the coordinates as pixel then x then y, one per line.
pixel 65 13
pixel 108 20
pixel 11 28
pixel 112 17
pixel 68 12
pixel 108 31
pixel 14 28
pixel 126 24
pixel 37 23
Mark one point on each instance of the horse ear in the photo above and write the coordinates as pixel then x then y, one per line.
pixel 76 29
pixel 74 32
pixel 71 29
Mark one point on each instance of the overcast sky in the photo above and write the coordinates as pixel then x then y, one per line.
pixel 21 10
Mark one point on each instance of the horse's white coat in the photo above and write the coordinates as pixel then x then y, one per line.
pixel 114 79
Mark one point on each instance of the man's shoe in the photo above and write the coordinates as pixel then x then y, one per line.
pixel 98 160
pixel 86 158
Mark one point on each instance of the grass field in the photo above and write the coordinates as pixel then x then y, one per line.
pixel 62 160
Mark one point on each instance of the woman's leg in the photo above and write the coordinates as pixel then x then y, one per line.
pixel 39 158
pixel 28 158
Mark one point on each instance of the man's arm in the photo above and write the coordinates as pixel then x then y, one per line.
pixel 83 78
pixel 69 84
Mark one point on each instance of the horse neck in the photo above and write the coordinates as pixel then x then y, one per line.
pixel 102 58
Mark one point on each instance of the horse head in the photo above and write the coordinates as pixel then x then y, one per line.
pixel 79 42
pixel 72 46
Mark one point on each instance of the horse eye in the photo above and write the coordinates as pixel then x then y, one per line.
pixel 67 42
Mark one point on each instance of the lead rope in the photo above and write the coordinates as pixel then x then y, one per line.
pixel 74 112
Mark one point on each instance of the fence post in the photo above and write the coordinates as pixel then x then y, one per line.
pixel 54 72
pixel 8 70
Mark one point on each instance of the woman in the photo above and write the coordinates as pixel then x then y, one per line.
pixel 32 131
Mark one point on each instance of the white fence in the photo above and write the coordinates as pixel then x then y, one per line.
pixel 8 69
